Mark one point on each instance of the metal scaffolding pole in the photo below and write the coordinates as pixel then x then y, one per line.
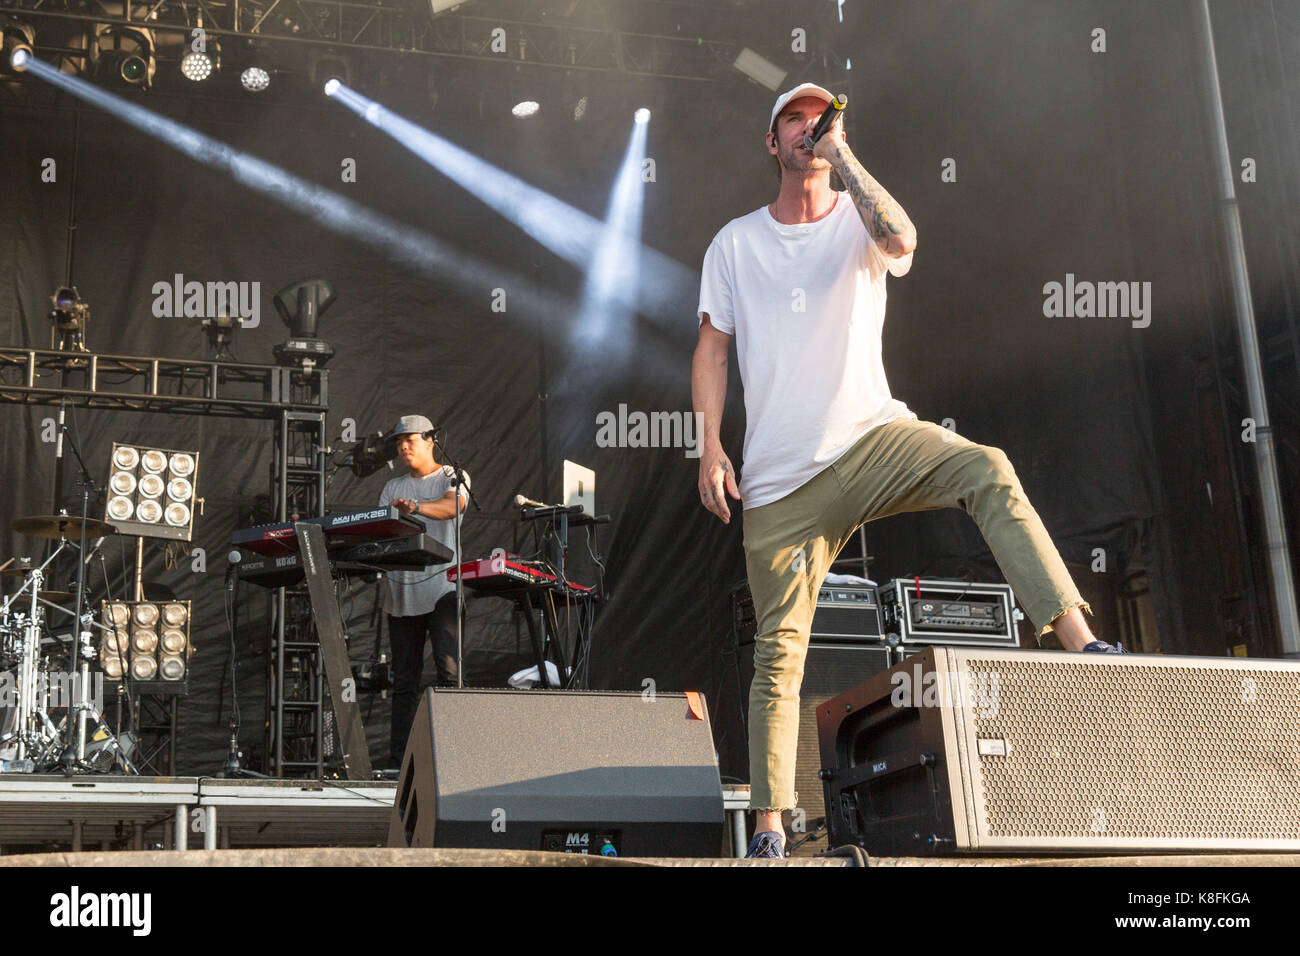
pixel 1277 548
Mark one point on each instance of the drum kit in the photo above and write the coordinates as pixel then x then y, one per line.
pixel 30 685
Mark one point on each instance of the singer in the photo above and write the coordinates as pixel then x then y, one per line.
pixel 421 603
pixel 801 284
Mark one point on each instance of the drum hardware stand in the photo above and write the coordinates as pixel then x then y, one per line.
pixel 73 757
pixel 85 709
pixel 29 706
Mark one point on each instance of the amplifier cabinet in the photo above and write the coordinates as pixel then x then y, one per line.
pixel 928 611
pixel 847 613
pixel 965 750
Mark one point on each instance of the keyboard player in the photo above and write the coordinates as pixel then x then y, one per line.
pixel 421 604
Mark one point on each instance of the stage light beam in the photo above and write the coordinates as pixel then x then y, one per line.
pixel 416 250
pixel 604 326
pixel 668 291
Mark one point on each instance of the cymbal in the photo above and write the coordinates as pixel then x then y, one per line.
pixel 17 571
pixel 61 526
pixel 55 597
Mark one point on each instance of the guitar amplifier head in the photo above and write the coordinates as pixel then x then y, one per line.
pixel 1001 751
pixel 847 614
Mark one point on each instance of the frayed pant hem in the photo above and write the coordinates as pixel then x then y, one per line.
pixel 1082 605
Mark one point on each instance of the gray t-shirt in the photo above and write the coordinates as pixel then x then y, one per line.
pixel 416 592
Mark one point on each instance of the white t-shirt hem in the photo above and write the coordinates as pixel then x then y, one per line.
pixel 774 496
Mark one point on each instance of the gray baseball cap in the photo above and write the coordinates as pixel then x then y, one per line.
pixel 408 425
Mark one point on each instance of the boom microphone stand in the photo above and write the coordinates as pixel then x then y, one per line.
pixel 74 752
pixel 460 588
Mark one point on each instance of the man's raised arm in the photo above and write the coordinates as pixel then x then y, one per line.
pixel 884 218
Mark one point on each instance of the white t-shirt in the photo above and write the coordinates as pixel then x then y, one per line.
pixel 418 591
pixel 807 305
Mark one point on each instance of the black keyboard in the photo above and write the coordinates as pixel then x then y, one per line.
pixel 406 553
pixel 280 538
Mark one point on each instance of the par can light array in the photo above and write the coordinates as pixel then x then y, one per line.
pixel 145 640
pixel 151 491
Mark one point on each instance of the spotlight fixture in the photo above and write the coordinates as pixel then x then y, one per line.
pixel 220 331
pixel 202 56
pixel 134 69
pixel 197 66
pixel 129 51
pixel 151 492
pixel 255 79
pixel 300 306
pixel 760 69
pixel 641 116
pixel 580 109
pixel 70 316
pixel 526 108
pixel 19 39
pixel 326 66
pixel 148 640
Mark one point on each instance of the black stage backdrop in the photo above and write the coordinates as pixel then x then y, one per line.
pixel 1066 161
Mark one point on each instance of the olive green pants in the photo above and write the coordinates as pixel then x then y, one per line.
pixel 903 465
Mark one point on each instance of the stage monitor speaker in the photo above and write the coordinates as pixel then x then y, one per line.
pixel 829 669
pixel 963 750
pixel 617 774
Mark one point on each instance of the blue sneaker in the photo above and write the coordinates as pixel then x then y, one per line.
pixel 766 846
pixel 1101 647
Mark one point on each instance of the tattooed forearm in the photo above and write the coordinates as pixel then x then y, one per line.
pixel 884 218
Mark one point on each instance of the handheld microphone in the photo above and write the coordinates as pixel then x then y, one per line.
pixel 833 109
pixel 522 502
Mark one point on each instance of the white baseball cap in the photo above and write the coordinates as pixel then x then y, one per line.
pixel 803 89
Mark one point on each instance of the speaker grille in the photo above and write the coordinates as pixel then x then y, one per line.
pixel 1128 751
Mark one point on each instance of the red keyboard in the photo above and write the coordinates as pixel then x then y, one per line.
pixel 508 573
